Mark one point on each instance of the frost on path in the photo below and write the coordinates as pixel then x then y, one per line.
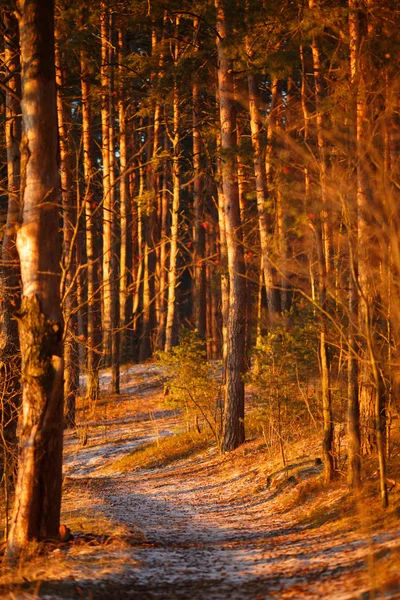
pixel 195 530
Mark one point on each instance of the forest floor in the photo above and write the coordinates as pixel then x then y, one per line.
pixel 203 526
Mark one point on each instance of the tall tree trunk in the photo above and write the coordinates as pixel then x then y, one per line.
pixel 262 196
pixel 324 250
pixel 10 363
pixel 124 200
pixel 107 196
pixel 223 253
pixel 199 266
pixel 372 392
pixel 176 187
pixel 68 281
pixel 353 414
pixel 36 512
pixel 233 433
pixel 114 285
pixel 93 280
pixel 148 288
pixel 163 250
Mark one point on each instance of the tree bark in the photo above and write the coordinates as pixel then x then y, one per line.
pixel 233 431
pixel 36 513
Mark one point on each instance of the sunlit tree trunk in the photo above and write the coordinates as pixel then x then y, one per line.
pixel 223 254
pixel 163 272
pixel 233 433
pixel 148 216
pixel 157 49
pixel 213 292
pixel 199 266
pixel 176 185
pixel 124 199
pixel 262 195
pixel 114 282
pixel 107 196
pixel 275 196
pixel 93 260
pixel 36 512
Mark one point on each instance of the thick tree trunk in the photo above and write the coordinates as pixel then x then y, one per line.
pixel 36 512
pixel 233 433
pixel 372 388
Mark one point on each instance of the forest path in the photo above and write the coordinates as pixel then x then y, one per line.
pixel 203 528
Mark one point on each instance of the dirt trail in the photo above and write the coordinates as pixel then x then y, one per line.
pixel 192 531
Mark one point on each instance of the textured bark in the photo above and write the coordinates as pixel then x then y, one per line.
pixel 233 431
pixel 36 513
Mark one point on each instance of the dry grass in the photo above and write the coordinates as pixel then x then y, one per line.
pixel 162 451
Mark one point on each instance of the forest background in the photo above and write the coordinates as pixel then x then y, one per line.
pixel 228 178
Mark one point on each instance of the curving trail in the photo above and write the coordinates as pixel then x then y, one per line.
pixel 202 529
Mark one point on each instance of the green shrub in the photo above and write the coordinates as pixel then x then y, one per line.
pixel 285 376
pixel 192 383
